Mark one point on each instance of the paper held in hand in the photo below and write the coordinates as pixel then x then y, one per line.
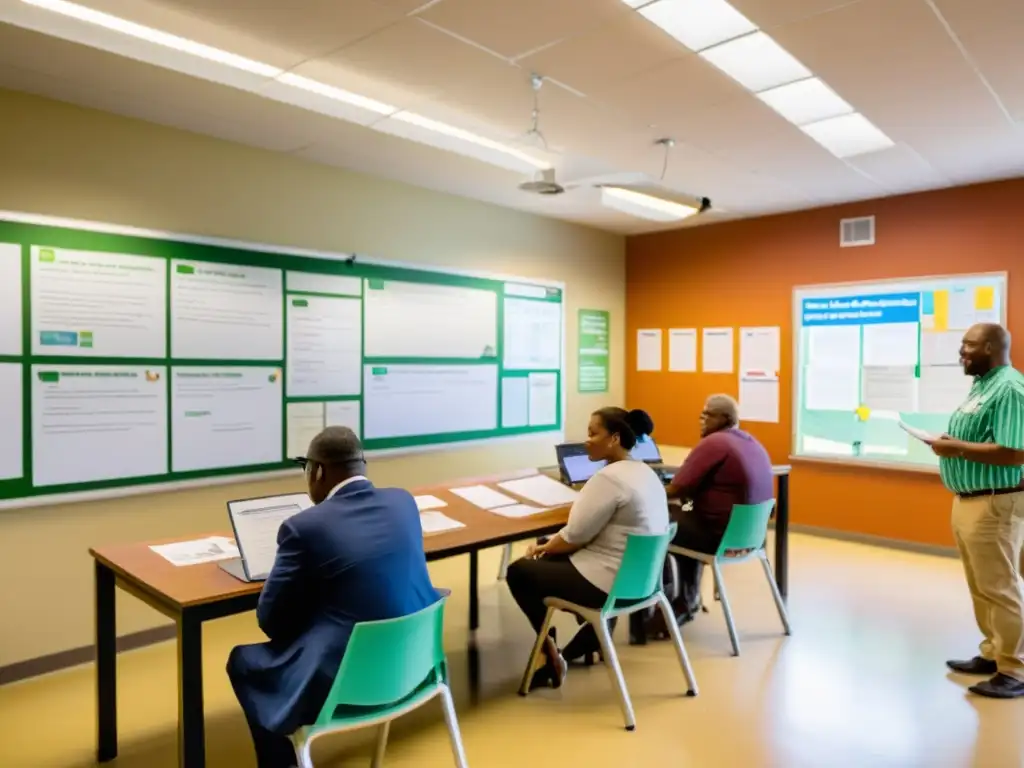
pixel 920 434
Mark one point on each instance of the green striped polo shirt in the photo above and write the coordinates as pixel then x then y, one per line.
pixel 992 413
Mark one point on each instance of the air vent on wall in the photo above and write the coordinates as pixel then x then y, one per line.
pixel 860 231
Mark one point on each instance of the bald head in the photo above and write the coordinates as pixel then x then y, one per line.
pixel 720 412
pixel 334 456
pixel 985 346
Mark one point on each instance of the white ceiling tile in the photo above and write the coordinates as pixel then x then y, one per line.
pixel 899 169
pixel 281 34
pixel 587 62
pixel 515 28
pixel 992 32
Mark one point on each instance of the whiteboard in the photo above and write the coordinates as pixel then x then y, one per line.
pixel 867 355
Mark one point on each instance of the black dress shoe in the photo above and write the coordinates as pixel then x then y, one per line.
pixel 999 687
pixel 975 666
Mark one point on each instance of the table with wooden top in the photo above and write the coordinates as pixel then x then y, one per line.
pixel 193 594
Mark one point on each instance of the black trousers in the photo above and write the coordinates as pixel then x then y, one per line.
pixel 697 534
pixel 272 750
pixel 530 581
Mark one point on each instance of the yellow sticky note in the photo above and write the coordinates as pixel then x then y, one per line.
pixel 941 311
pixel 863 413
pixel 984 297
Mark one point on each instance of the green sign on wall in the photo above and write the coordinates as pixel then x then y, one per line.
pixel 593 350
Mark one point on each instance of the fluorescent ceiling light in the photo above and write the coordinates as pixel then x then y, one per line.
pixel 645 206
pixel 848 135
pixel 698 24
pixel 155 36
pixel 459 134
pixel 756 62
pixel 337 94
pixel 805 101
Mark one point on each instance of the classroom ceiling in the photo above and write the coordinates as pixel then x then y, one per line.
pixel 942 79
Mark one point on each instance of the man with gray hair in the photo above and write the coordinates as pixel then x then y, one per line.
pixel 356 556
pixel 728 466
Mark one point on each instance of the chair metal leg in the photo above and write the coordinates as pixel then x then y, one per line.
pixel 382 744
pixel 611 660
pixel 779 602
pixel 524 686
pixel 454 734
pixel 677 640
pixel 727 610
pixel 506 558
pixel 305 758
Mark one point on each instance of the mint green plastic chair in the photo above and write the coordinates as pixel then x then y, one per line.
pixel 637 587
pixel 390 668
pixel 744 539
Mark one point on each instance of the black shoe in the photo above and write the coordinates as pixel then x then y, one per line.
pixel 975 666
pixel 999 687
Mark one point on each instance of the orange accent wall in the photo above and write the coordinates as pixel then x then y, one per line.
pixel 743 273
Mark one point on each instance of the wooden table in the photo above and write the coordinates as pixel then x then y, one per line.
pixel 194 594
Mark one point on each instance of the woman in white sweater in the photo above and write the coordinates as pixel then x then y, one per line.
pixel 580 562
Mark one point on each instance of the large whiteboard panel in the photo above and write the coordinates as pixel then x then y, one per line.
pixel 10 299
pixel 430 321
pixel 98 304
pixel 868 355
pixel 404 400
pixel 11 409
pixel 325 349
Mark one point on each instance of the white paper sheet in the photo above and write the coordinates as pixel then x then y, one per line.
pixel 828 388
pixel 891 344
pixel 518 510
pixel 889 388
pixel 483 497
pixel 682 350
pixel 717 346
pixel 648 349
pixel 760 350
pixel 759 398
pixel 438 522
pixel 208 550
pixel 920 434
pixel 430 502
pixel 542 490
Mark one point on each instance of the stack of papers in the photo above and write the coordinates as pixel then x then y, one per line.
pixel 541 489
pixel 430 502
pixel 920 434
pixel 438 522
pixel 517 510
pixel 483 497
pixel 208 550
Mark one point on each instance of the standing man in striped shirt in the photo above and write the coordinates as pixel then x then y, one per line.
pixel 980 461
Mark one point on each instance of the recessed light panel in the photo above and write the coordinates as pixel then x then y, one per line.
pixel 805 101
pixel 756 62
pixel 848 136
pixel 698 24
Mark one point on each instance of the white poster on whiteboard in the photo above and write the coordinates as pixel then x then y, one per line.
pixel 11 460
pixel 10 299
pixel 533 335
pixel 648 349
pixel 325 346
pixel 716 344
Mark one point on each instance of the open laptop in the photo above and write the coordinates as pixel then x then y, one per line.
pixel 576 467
pixel 255 523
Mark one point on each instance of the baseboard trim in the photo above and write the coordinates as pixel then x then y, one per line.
pixel 54 662
pixel 875 541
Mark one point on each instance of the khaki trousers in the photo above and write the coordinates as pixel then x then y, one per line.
pixel 989 532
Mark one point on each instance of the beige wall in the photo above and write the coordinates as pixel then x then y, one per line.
pixel 61 160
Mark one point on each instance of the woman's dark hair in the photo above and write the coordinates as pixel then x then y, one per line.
pixel 628 425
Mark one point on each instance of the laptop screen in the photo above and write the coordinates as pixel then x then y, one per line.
pixel 576 467
pixel 256 522
pixel 646 450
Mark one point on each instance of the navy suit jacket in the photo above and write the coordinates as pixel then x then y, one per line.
pixel 357 556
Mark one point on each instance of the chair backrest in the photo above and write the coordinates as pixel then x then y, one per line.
pixel 747 527
pixel 639 574
pixel 385 661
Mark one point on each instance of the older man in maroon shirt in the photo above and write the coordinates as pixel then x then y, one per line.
pixel 727 467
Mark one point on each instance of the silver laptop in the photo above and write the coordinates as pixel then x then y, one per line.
pixel 255 523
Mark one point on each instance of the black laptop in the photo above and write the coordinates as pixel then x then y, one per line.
pixel 576 468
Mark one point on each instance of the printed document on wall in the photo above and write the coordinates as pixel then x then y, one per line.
pixel 404 400
pixel 226 312
pixel 891 344
pixel 682 350
pixel 760 350
pixel 717 345
pixel 533 335
pixel 98 304
pixel 759 397
pixel 10 299
pixel 111 419
pixel 543 399
pixel 225 417
pixel 427 320
pixel 648 349
pixel 832 388
pixel 11 404
pixel 515 401
pixel 304 421
pixel 324 346
pixel 343 413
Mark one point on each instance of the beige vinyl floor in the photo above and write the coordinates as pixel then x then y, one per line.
pixel 860 683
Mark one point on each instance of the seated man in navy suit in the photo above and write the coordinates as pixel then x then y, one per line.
pixel 356 556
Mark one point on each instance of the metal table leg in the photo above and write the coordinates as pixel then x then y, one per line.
pixel 191 735
pixel 106 664
pixel 782 537
pixel 474 588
